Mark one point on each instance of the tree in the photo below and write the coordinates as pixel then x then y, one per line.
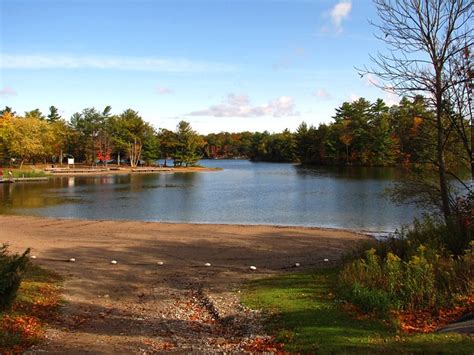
pixel 30 138
pixel 167 143
pixel 459 96
pixel 7 111
pixel 36 113
pixel 53 115
pixel 304 143
pixel 91 134
pixel 188 145
pixel 423 36
pixel 134 136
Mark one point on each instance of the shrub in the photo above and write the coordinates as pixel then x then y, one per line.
pixel 11 272
pixel 413 270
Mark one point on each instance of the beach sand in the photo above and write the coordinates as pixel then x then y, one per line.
pixel 139 304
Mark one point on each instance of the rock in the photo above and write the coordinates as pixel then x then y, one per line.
pixel 160 263
pixel 207 264
pixel 220 340
pixel 297 264
pixel 253 268
pixel 326 260
pixel 33 257
pixel 113 262
pixel 72 260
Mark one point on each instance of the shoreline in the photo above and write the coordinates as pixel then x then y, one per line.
pixel 362 232
pixel 11 222
pixel 130 171
pixel 129 279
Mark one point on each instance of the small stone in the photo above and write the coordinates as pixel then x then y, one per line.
pixel 297 264
pixel 220 340
pixel 33 257
pixel 72 260
pixel 326 260
pixel 207 264
pixel 106 296
pixel 113 262
pixel 253 268
pixel 160 263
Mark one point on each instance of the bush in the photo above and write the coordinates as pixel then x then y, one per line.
pixel 12 268
pixel 413 270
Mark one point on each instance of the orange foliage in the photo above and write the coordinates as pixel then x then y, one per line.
pixel 426 322
pixel 30 319
pixel 417 122
pixel 264 345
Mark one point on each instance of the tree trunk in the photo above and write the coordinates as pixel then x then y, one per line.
pixel 443 182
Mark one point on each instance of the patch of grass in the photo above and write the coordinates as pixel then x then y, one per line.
pixel 25 173
pixel 37 304
pixel 302 313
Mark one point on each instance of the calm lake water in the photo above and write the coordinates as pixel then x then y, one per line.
pixel 242 193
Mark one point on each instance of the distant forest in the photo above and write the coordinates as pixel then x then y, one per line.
pixel 362 133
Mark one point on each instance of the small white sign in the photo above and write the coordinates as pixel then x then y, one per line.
pixel 70 161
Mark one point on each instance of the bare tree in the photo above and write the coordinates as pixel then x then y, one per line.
pixel 423 37
pixel 459 97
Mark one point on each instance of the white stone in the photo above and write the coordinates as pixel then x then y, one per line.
pixel 113 262
pixel 72 260
pixel 297 264
pixel 207 264
pixel 33 257
pixel 253 268
pixel 160 263
pixel 326 260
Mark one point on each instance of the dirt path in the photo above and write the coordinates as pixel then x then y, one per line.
pixel 140 306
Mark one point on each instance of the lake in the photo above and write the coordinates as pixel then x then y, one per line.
pixel 242 193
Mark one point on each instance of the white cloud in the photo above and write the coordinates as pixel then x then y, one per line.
pixel 322 94
pixel 239 105
pixel 55 61
pixel 338 13
pixel 8 91
pixel 161 90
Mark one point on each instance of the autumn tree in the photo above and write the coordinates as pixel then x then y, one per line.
pixel 422 37
pixel 30 138
pixel 36 113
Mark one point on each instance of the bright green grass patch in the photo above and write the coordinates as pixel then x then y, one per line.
pixel 27 173
pixel 303 314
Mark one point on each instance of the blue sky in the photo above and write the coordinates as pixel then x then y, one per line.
pixel 229 65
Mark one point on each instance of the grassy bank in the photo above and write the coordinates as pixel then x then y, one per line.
pixel 24 173
pixel 36 305
pixel 302 312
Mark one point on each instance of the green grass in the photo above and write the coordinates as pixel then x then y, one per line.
pixel 302 313
pixel 25 173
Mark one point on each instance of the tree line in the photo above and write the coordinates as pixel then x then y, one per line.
pixel 362 133
pixel 93 136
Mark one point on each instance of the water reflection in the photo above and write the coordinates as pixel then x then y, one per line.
pixel 242 193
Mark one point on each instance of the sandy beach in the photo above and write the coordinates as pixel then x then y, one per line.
pixel 138 303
